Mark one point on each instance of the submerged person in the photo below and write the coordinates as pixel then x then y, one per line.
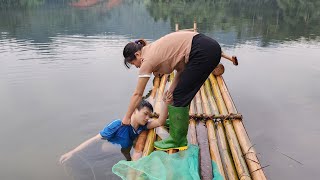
pixel 193 56
pixel 94 158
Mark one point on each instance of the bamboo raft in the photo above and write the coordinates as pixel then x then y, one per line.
pixel 215 126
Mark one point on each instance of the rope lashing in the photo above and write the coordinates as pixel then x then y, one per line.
pixel 216 117
pixel 251 152
pixel 206 117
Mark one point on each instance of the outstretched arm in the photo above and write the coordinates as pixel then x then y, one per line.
pixel 135 99
pixel 67 155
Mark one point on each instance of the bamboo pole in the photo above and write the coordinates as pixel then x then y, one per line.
pixel 213 142
pixel 227 162
pixel 246 146
pixel 148 148
pixel 156 85
pixel 192 134
pixel 194 26
pixel 240 164
pixel 210 96
pixel 206 172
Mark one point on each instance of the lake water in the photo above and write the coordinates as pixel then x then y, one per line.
pixel 62 77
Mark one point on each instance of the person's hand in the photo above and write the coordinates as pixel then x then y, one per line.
pixel 65 157
pixel 168 97
pixel 126 121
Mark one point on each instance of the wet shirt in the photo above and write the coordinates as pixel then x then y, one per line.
pixel 123 135
pixel 163 55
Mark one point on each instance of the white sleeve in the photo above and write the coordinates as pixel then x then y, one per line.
pixel 144 75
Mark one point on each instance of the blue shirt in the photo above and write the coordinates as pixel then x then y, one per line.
pixel 123 135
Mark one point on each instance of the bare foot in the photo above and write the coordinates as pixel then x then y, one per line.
pixel 235 60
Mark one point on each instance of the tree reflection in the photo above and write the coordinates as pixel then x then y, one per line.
pixel 20 3
pixel 272 20
pixel 265 20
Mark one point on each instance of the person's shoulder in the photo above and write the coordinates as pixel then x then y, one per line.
pixel 110 129
pixel 146 67
pixel 114 123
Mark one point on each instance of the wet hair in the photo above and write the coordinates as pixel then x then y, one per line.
pixel 146 104
pixel 130 49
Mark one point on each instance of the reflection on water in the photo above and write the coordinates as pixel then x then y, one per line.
pixel 266 21
pixel 62 77
pixel 42 23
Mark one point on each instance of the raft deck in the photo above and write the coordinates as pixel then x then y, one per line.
pixel 215 126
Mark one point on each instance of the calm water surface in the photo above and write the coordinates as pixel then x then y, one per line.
pixel 62 77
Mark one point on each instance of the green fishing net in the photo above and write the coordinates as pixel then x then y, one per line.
pixel 160 165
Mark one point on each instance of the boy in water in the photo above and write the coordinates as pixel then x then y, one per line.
pixel 95 157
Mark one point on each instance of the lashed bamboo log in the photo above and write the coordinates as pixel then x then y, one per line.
pixel 240 164
pixel 202 137
pixel 192 135
pixel 214 107
pixel 213 142
pixel 227 162
pixel 244 141
pixel 156 85
pixel 148 148
pixel 171 151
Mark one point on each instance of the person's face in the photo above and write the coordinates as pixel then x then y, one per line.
pixel 138 60
pixel 142 116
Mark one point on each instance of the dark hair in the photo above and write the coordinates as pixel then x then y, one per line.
pixel 143 104
pixel 130 49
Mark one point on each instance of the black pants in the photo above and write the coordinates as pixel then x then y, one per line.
pixel 204 56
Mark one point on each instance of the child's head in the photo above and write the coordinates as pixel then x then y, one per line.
pixel 142 114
